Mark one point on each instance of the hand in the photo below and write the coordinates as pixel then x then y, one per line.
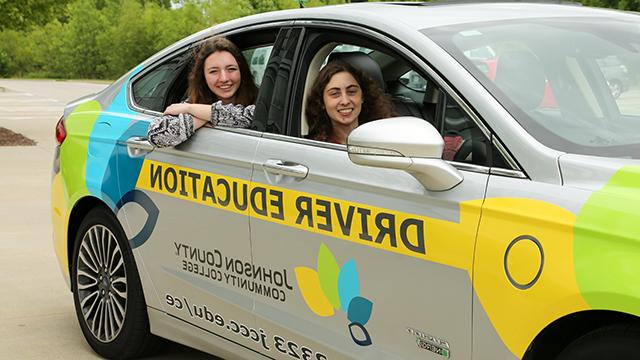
pixel 175 109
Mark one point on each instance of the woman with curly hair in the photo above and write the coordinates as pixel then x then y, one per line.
pixel 342 98
pixel 221 91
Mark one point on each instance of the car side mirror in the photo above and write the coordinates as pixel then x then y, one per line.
pixel 405 143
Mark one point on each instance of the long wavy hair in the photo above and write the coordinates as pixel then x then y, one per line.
pixel 376 104
pixel 199 92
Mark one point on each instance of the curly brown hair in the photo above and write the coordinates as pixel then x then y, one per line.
pixel 378 104
pixel 199 92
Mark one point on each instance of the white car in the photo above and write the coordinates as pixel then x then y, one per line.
pixel 495 218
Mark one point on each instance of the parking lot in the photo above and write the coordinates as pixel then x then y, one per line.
pixel 37 316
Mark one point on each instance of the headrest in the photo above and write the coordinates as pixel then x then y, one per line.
pixel 455 119
pixel 363 62
pixel 521 77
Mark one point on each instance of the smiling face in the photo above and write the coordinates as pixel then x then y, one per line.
pixel 343 100
pixel 222 73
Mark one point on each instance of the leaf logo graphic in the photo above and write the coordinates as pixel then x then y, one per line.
pixel 333 288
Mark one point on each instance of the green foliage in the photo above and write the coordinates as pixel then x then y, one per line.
pixel 629 5
pixel 98 39
pixel 4 63
pixel 218 11
pixel 21 14
pixel 163 3
pixel 8 47
pixel 103 39
pixel 81 50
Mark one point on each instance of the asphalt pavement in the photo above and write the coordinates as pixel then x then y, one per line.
pixel 37 318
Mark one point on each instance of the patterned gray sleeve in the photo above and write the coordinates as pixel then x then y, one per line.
pixel 232 115
pixel 170 130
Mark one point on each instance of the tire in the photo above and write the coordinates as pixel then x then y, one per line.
pixel 111 309
pixel 620 342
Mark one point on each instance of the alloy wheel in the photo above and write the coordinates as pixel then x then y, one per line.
pixel 102 283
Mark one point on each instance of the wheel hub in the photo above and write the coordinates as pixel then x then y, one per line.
pixel 101 283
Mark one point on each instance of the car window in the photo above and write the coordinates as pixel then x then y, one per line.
pixel 480 53
pixel 150 90
pixel 257 59
pixel 345 48
pixel 411 94
pixel 464 141
pixel 413 81
pixel 167 82
pixel 574 90
pixel 318 58
pixel 615 70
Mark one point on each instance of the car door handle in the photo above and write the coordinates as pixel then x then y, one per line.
pixel 286 168
pixel 138 146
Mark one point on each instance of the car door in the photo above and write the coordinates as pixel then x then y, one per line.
pixel 190 202
pixel 366 262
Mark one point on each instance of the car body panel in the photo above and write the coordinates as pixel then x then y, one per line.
pixel 590 172
pixel 487 343
pixel 444 256
pixel 420 16
pixel 91 149
pixel 524 276
pixel 184 333
pixel 575 229
pixel 208 241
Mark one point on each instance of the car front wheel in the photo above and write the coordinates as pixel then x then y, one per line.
pixel 106 288
pixel 614 342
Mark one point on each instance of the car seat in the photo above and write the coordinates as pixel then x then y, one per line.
pixel 363 62
pixel 463 140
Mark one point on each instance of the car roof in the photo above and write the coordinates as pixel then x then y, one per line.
pixel 419 16
pixel 410 16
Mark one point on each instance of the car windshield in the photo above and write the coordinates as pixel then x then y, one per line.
pixel 572 83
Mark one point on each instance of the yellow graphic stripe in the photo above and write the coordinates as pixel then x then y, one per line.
pixel 518 314
pixel 398 232
pixel 60 219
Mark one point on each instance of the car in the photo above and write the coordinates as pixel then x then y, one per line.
pixel 482 222
pixel 258 62
pixel 616 73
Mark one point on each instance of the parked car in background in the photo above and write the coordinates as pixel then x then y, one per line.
pixel 258 62
pixel 481 223
pixel 616 74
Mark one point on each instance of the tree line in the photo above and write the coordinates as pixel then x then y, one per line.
pixel 102 39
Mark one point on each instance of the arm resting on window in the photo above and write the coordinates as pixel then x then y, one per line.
pixel 171 130
pixel 232 115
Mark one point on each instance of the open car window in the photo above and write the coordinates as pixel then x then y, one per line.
pixel 166 83
pixel 411 93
